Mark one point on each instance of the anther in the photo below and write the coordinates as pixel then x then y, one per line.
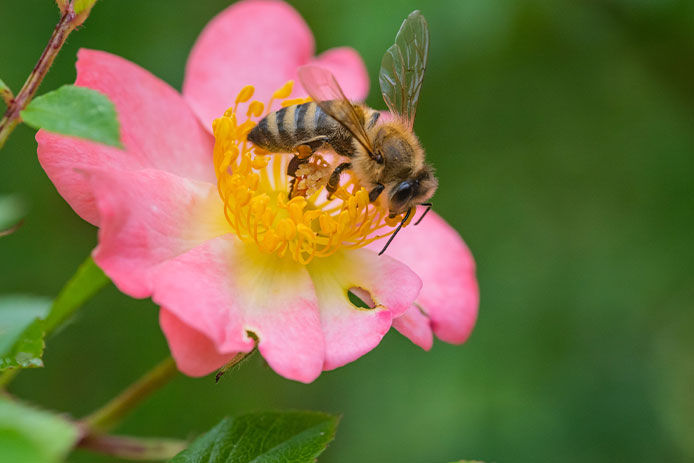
pixel 286 229
pixel 284 91
pixel 255 109
pixel 245 94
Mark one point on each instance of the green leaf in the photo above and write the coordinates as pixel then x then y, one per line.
pixel 28 435
pixel 21 331
pixel 26 320
pixel 12 209
pixel 76 111
pixel 268 437
pixel 82 5
pixel 83 285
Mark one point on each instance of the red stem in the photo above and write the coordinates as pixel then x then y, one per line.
pixel 11 117
pixel 132 448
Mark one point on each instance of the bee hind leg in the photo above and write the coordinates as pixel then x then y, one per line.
pixel 304 151
pixel 294 164
pixel 292 167
pixel 334 180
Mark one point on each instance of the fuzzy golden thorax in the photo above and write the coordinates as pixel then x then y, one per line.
pixel 407 179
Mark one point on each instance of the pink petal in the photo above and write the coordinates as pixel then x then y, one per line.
pixel 225 289
pixel 158 128
pixel 61 157
pixel 158 131
pixel 261 43
pixel 350 332
pixel 194 353
pixel 437 253
pixel 147 217
pixel 416 327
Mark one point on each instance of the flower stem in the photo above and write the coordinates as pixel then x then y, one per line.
pixel 117 408
pixel 132 448
pixel 11 118
pixel 102 420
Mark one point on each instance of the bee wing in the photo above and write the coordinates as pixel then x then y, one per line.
pixel 403 66
pixel 326 92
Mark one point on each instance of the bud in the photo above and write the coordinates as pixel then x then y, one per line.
pixel 82 8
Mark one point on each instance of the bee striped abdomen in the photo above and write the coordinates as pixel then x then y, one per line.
pixel 302 130
pixel 284 130
pixel 272 134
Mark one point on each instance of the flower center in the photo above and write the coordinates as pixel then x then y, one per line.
pixel 255 190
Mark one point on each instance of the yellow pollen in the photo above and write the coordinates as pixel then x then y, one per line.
pixel 254 188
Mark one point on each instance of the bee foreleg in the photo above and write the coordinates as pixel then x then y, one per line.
pixel 376 192
pixel 334 180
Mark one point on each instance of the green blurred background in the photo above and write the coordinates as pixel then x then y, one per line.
pixel 563 134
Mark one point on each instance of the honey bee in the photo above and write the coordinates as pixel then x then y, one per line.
pixel 384 155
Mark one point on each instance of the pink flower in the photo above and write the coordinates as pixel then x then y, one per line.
pixel 213 240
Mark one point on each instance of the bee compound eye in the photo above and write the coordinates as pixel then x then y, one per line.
pixel 403 192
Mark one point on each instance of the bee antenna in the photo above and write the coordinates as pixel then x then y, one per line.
pixel 428 205
pixel 407 216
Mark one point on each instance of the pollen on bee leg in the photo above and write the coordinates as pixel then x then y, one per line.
pixel 303 151
pixel 313 175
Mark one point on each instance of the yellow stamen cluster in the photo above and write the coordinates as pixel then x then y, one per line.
pixel 255 190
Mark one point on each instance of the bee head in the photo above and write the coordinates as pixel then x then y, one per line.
pixel 415 190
